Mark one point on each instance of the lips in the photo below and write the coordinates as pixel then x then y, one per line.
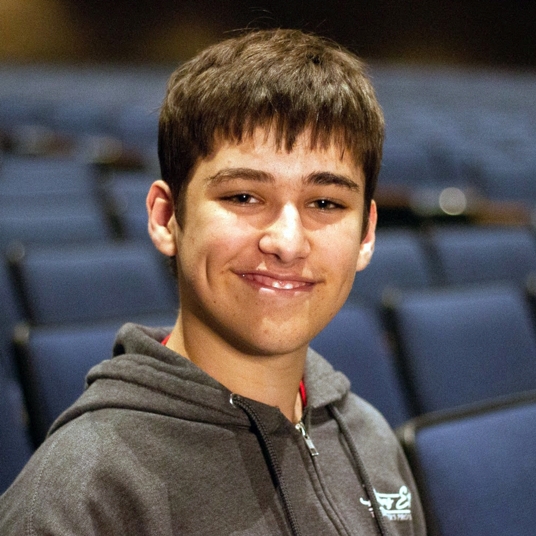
pixel 278 282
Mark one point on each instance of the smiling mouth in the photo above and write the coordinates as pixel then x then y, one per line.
pixel 277 283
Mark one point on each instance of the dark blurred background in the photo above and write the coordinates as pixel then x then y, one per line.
pixel 454 32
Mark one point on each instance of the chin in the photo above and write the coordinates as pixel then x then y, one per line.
pixel 272 344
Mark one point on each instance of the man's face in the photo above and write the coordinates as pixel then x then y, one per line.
pixel 270 242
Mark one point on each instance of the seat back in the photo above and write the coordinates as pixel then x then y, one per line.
pixel 34 176
pixel 53 362
pixel 399 261
pixel 15 445
pixel 476 469
pixel 53 224
pixel 93 282
pixel 473 254
pixel 77 117
pixel 462 345
pixel 354 343
pixel 405 164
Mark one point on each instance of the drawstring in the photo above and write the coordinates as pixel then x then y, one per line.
pixel 362 473
pixel 273 463
pixel 277 474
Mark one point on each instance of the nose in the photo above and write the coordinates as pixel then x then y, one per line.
pixel 285 237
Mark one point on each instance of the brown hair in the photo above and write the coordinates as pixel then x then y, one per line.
pixel 282 80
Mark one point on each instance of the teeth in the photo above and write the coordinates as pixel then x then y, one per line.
pixel 269 282
pixel 287 285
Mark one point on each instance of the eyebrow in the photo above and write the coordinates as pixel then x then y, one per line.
pixel 336 179
pixel 229 174
pixel 315 178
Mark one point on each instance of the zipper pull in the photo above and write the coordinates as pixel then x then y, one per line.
pixel 308 441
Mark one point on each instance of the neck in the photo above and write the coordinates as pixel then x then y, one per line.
pixel 272 380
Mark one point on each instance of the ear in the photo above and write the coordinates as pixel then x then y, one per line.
pixel 367 244
pixel 162 224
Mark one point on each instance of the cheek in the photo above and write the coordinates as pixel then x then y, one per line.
pixel 340 248
pixel 210 242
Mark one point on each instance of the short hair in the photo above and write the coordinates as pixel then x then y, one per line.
pixel 285 81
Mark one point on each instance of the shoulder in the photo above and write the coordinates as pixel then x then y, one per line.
pixel 374 438
pixel 360 413
pixel 83 480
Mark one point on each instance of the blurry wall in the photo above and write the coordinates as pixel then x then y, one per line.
pixel 493 32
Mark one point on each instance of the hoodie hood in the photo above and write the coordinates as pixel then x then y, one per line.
pixel 147 376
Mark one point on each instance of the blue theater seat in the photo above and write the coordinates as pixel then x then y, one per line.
pixel 53 362
pixel 355 344
pixel 15 445
pixel 399 261
pixel 476 469
pixel 53 221
pixel 93 282
pixel 22 176
pixel 464 345
pixel 474 254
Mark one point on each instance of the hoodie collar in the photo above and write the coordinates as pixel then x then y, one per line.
pixel 324 384
pixel 147 376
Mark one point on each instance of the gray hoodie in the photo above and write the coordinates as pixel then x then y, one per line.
pixel 155 446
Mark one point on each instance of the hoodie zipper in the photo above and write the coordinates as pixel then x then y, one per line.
pixel 307 438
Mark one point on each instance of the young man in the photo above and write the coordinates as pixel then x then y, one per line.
pixel 270 146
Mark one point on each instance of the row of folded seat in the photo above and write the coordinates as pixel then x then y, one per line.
pixel 446 128
pixel 435 349
pixel 63 200
pixel 102 281
pixel 472 131
pixel 95 115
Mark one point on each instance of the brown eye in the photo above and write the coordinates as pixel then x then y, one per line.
pixel 241 199
pixel 326 204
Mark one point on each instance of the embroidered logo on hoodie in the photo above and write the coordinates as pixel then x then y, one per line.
pixel 394 506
